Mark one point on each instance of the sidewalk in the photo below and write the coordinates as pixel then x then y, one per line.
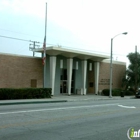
pixel 62 98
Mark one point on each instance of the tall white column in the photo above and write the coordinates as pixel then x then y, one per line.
pixel 69 74
pixel 96 76
pixel 52 72
pixel 84 76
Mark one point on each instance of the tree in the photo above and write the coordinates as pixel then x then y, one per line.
pixel 132 75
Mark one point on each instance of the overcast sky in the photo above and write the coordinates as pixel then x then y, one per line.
pixel 79 24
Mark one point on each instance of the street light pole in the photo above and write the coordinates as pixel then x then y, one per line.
pixel 110 94
pixel 111 54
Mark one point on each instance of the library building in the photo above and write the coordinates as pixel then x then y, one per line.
pixel 66 71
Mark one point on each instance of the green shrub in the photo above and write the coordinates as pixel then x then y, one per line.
pixel 128 92
pixel 24 93
pixel 117 92
pixel 105 92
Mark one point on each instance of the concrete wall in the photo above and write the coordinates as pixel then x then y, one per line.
pixel 119 69
pixel 17 71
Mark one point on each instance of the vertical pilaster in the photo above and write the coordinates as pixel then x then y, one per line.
pixel 84 76
pixel 96 75
pixel 69 74
pixel 52 72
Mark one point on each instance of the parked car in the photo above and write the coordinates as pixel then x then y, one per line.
pixel 138 93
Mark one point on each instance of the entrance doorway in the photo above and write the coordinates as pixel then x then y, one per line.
pixel 63 81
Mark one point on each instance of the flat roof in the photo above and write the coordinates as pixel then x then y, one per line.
pixel 70 53
pixel 114 62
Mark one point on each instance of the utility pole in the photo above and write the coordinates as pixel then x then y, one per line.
pixel 34 44
pixel 136 69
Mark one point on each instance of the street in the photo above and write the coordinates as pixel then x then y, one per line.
pixel 81 120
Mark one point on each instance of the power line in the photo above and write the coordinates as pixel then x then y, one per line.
pixel 15 38
pixel 23 39
pixel 19 32
pixel 55 45
pixel 91 50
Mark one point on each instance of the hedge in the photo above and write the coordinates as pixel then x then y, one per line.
pixel 117 92
pixel 24 93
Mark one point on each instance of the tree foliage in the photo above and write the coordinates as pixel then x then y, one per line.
pixel 132 75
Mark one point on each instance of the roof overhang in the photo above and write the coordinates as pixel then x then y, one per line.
pixel 70 53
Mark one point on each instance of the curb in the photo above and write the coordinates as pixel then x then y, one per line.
pixel 74 100
pixel 32 102
pixel 58 101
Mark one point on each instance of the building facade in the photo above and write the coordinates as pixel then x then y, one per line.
pixel 65 71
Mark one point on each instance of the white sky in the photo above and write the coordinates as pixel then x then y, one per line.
pixel 80 24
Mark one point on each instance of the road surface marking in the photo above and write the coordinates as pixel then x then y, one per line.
pixel 126 106
pixel 62 108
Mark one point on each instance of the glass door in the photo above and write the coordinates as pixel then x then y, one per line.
pixel 63 81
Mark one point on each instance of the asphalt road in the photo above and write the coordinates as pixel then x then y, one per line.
pixel 85 120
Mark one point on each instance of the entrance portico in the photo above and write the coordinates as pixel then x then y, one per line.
pixel 76 66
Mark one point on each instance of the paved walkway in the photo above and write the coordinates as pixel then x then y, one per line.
pixel 62 98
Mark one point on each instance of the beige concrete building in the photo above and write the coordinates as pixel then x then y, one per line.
pixel 66 71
